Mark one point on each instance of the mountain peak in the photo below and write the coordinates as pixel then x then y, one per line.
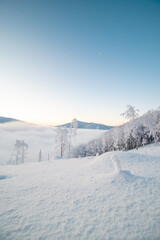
pixel 4 120
pixel 88 125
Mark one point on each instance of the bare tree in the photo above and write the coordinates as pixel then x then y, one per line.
pixel 62 140
pixel 72 133
pixel 40 156
pixel 19 152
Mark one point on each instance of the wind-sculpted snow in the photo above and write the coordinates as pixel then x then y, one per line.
pixel 85 198
pixel 116 163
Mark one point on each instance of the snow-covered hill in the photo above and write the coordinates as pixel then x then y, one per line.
pixel 113 196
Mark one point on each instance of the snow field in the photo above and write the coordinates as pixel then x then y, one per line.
pixel 83 198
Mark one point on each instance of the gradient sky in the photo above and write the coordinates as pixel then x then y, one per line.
pixel 84 59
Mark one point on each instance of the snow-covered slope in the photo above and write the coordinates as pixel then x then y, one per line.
pixel 113 196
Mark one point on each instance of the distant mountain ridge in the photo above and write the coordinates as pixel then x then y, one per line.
pixel 86 125
pixel 81 125
pixel 4 120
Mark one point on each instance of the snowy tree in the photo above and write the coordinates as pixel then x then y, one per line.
pixel 131 113
pixel 133 134
pixel 72 133
pixel 80 151
pixel 104 143
pixel 74 126
pixel 19 152
pixel 40 156
pixel 69 141
pixel 119 138
pixel 62 140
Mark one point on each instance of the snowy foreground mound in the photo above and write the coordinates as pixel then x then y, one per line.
pixel 113 196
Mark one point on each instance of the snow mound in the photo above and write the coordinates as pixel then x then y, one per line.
pixel 124 176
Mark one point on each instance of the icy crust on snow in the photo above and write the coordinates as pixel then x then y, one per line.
pixel 87 198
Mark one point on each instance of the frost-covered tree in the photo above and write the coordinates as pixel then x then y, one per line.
pixel 151 121
pixel 131 113
pixel 40 156
pixel 119 138
pixel 19 152
pixel 62 140
pixel 134 134
pixel 74 126
pixel 80 151
pixel 72 133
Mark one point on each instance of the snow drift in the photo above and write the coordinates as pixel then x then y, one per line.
pixel 85 198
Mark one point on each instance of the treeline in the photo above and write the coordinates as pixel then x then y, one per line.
pixel 134 134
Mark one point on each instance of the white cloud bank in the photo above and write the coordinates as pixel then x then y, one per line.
pixel 37 137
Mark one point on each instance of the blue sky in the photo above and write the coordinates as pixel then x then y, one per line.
pixel 81 59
